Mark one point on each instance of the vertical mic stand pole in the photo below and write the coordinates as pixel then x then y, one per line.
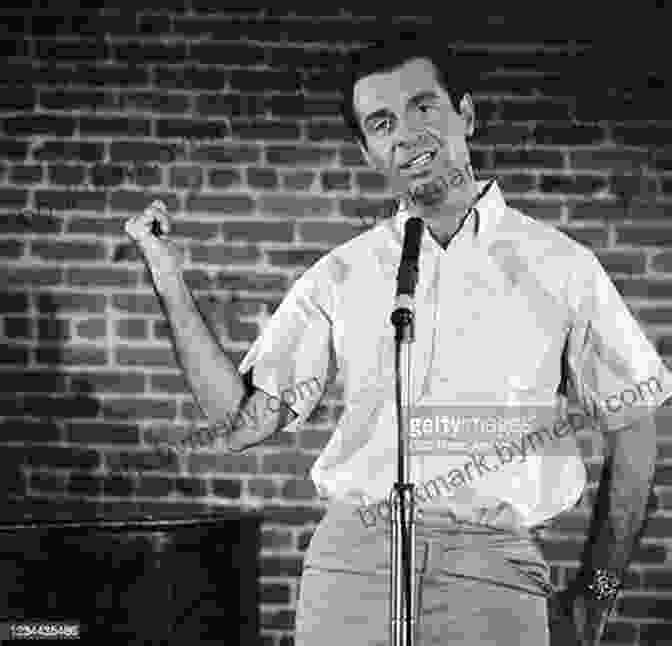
pixel 402 583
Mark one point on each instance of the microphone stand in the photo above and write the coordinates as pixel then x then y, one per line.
pixel 402 529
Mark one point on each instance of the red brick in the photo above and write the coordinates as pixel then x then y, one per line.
pixel 112 382
pixel 190 177
pixel 335 180
pixel 101 277
pixel 548 210
pixel 287 462
pixel 535 109
pixel 190 129
pixel 649 134
pixel 622 262
pixel 298 180
pixel 299 489
pixel 235 204
pixel 294 257
pixel 65 407
pixel 18 430
pixel 262 487
pixel 508 134
pixel 190 77
pixel 265 129
pixel 662 262
pixel 264 178
pixel 69 200
pixel 590 237
pixel 257 231
pixel 131 328
pixel 275 593
pixel 83 484
pixel 31 276
pixel 619 632
pixel 142 52
pixel 68 250
pixel 113 126
pixel 576 184
pixel 136 152
pixel 68 100
pixel 654 634
pixel 645 607
pixel 162 102
pixel 222 254
pixel 612 160
pixel 226 488
pixel 69 151
pixel 120 461
pixel 296 206
pixel 280 566
pixel 43 124
pixel 115 485
pixel 52 329
pixel 145 356
pixel 191 230
pixel 13 302
pixel 48 482
pixel 213 462
pixel 13 149
pixel 174 384
pixel 58 457
pixel 640 235
pixel 333 233
pixel 136 303
pixel 191 487
pixel 233 153
pixel 527 158
pixel 154 486
pixel 277 619
pixel 215 53
pixel 327 131
pixel 42 381
pixel 70 302
pixel 516 182
pixel 567 134
pixel 18 327
pixel 300 154
pixel 26 174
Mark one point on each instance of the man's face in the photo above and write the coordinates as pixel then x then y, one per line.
pixel 404 113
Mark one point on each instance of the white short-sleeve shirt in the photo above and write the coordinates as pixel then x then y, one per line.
pixel 494 312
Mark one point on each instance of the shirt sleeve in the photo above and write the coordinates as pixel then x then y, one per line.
pixel 292 360
pixel 617 373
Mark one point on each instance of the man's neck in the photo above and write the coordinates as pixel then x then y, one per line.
pixel 450 217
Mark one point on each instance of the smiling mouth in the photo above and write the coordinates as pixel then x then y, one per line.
pixel 419 162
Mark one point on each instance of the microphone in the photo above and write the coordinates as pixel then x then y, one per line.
pixel 407 277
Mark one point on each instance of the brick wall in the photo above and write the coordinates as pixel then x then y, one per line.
pixel 232 119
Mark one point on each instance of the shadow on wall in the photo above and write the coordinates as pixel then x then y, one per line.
pixel 41 404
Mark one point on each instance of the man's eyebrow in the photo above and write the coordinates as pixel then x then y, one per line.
pixel 416 98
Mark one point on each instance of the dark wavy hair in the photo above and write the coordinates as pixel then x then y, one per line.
pixel 454 72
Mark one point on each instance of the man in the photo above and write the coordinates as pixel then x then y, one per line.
pixel 504 306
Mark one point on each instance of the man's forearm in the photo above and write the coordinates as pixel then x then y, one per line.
pixel 212 376
pixel 623 492
pixel 619 515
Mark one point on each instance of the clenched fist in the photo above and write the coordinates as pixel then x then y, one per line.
pixel 149 231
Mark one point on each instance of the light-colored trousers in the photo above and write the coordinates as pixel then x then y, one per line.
pixel 476 585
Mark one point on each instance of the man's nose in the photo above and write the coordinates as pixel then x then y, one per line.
pixel 409 134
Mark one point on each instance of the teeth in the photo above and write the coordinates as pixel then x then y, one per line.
pixel 419 160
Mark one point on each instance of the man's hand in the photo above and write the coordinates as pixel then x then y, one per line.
pixel 149 231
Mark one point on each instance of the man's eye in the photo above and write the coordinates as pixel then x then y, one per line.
pixel 424 107
pixel 384 124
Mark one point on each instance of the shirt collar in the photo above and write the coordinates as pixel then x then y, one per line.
pixel 481 220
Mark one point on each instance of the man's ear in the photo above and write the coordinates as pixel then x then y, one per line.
pixel 468 114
